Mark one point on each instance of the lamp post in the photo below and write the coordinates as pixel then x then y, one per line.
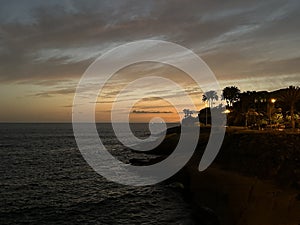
pixel 227 111
pixel 271 105
pixel 206 114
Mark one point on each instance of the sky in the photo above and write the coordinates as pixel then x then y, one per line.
pixel 46 46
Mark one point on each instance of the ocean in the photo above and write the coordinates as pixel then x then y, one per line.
pixel 45 180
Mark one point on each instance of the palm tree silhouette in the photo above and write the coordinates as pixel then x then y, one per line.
pixel 290 96
pixel 210 96
pixel 187 113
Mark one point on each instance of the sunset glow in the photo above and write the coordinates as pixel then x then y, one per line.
pixel 45 50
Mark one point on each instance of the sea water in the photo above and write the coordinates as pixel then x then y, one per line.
pixel 45 180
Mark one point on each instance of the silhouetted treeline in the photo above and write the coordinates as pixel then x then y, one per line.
pixel 256 108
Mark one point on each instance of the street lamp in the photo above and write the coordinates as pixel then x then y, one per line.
pixel 227 111
pixel 206 113
pixel 272 100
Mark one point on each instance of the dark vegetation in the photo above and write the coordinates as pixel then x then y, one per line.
pixel 256 109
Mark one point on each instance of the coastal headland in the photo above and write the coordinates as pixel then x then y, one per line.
pixel 255 179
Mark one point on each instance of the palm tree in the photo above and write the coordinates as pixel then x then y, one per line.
pixel 231 94
pixel 187 112
pixel 290 96
pixel 210 96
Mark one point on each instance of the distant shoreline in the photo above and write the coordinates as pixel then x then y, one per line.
pixel 174 123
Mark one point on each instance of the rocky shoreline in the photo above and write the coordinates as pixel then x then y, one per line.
pixel 255 178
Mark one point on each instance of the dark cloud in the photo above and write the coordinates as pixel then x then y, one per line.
pixel 278 67
pixel 52 93
pixel 45 43
pixel 145 107
pixel 149 99
pixel 68 106
pixel 150 112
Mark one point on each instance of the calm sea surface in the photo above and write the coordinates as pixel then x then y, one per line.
pixel 45 180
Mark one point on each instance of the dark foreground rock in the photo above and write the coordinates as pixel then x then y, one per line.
pixel 255 179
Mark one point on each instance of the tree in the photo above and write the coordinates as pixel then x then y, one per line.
pixel 247 101
pixel 210 96
pixel 187 112
pixel 231 95
pixel 290 96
